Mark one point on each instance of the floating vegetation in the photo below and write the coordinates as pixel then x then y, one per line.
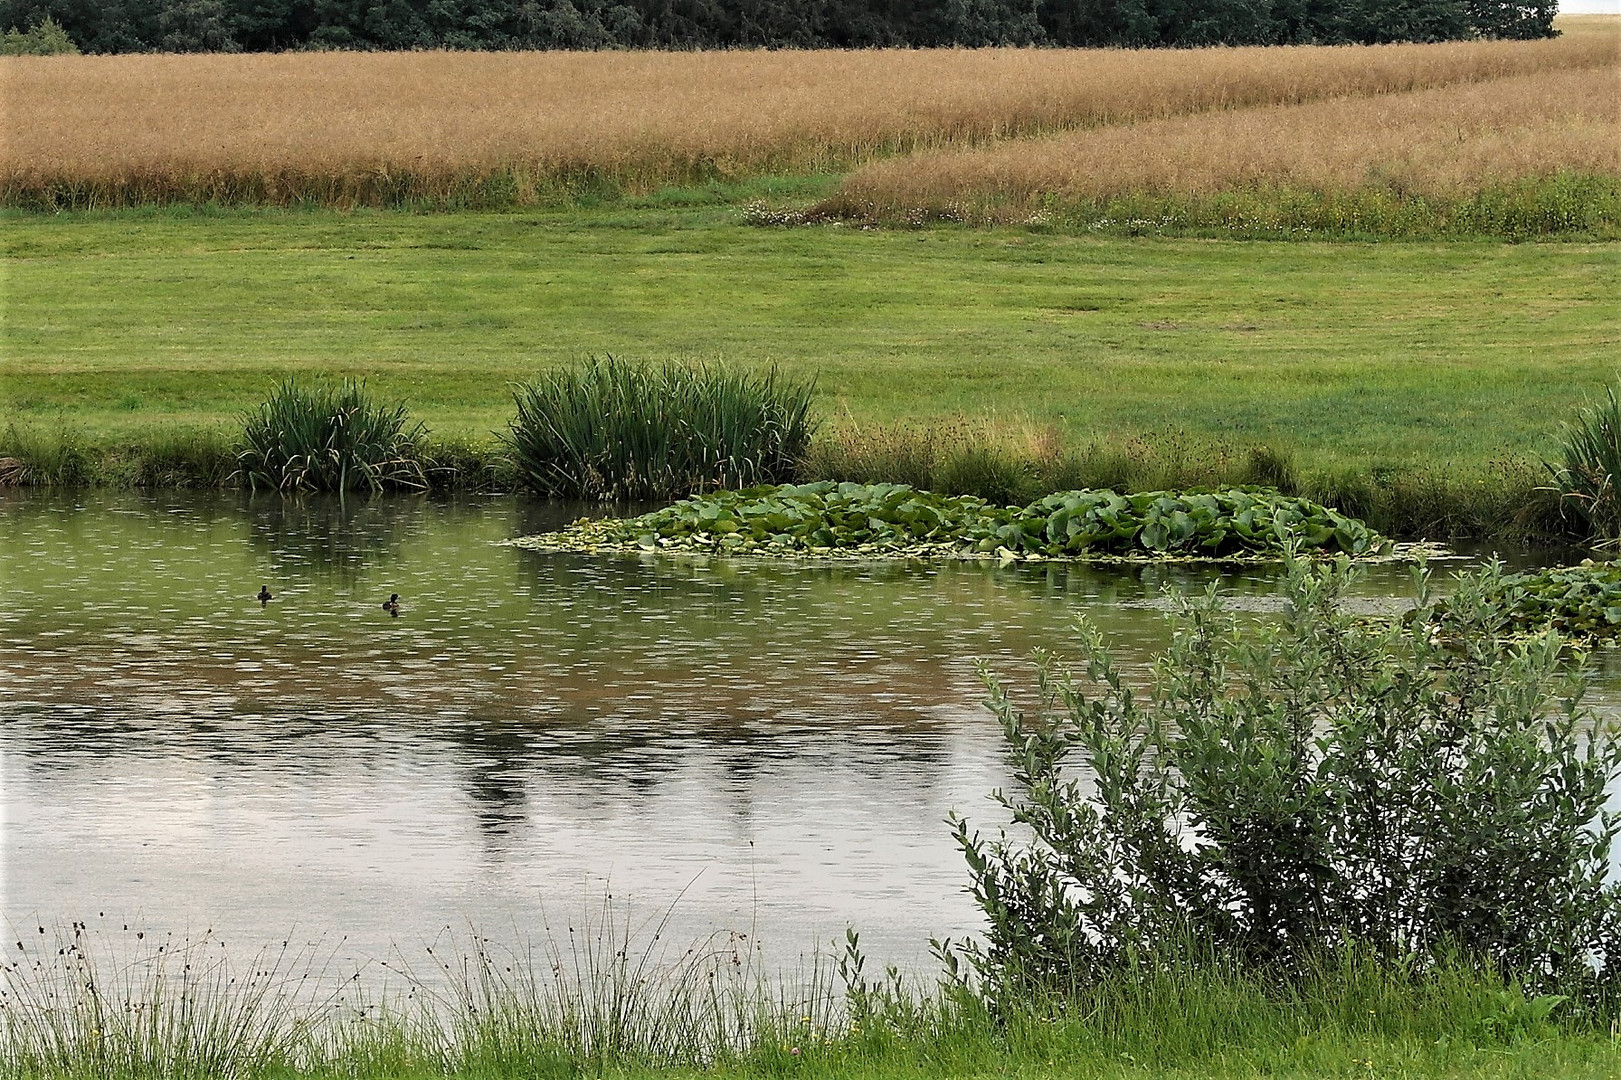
pixel 845 520
pixel 1582 601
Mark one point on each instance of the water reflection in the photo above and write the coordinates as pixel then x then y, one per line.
pixel 780 743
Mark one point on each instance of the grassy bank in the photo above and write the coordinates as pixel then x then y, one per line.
pixel 1370 357
pixel 621 1020
pixel 1415 384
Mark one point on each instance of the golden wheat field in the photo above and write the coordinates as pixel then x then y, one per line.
pixel 353 128
pixel 1436 142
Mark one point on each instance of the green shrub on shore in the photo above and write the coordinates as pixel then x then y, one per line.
pixel 613 430
pixel 330 438
pixel 1288 791
pixel 828 518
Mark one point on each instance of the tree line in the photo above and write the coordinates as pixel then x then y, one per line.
pixel 118 26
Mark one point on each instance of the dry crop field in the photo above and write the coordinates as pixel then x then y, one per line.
pixel 1436 143
pixel 524 128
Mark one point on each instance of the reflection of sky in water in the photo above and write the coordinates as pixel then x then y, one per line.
pixel 782 742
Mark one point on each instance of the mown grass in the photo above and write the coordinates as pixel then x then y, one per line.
pixel 1373 358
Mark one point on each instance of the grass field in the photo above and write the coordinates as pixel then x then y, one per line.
pixel 1356 355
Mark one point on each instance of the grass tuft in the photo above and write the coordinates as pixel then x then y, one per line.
pixel 331 438
pixel 610 429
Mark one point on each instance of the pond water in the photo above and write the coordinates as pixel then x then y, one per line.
pixel 752 747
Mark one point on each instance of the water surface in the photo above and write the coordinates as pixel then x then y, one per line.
pixel 759 747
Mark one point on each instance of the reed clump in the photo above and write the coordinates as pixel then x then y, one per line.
pixel 1586 478
pixel 331 438
pixel 612 429
pixel 530 128
pixel 1437 152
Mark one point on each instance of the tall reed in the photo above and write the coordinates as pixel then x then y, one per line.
pixel 1587 474
pixel 612 429
pixel 330 438
pixel 527 128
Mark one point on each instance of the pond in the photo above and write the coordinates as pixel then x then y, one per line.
pixel 756 747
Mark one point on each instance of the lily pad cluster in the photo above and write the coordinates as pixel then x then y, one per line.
pixel 846 519
pixel 1582 601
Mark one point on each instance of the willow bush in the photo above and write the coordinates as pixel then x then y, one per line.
pixel 331 438
pixel 1282 792
pixel 612 429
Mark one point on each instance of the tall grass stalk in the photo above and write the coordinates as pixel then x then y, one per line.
pixel 611 429
pixel 82 1003
pixel 330 438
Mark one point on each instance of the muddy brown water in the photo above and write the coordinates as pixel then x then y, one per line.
pixel 750 747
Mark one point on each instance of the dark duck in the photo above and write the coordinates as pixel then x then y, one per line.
pixel 392 604
pixel 264 596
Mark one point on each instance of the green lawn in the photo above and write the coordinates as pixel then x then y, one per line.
pixel 1445 353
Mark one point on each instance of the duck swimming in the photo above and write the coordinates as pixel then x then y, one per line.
pixel 264 596
pixel 392 604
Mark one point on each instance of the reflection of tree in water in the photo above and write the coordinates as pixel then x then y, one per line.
pixel 496 762
pixel 333 536
pixel 498 757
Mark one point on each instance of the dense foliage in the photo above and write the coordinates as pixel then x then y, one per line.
pixel 610 429
pixel 894 519
pixel 269 25
pixel 1288 790
pixel 330 438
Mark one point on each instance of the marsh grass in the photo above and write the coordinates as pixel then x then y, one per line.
pixel 1015 462
pixel 617 430
pixel 330 438
pixel 119 1004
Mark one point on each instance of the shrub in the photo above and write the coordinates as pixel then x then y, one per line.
pixel 1285 791
pixel 330 438
pixel 611 429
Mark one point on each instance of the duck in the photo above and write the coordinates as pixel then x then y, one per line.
pixel 392 604
pixel 264 596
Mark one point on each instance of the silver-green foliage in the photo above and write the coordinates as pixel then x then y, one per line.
pixel 1278 792
pixel 894 517
pixel 612 429
pixel 330 438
